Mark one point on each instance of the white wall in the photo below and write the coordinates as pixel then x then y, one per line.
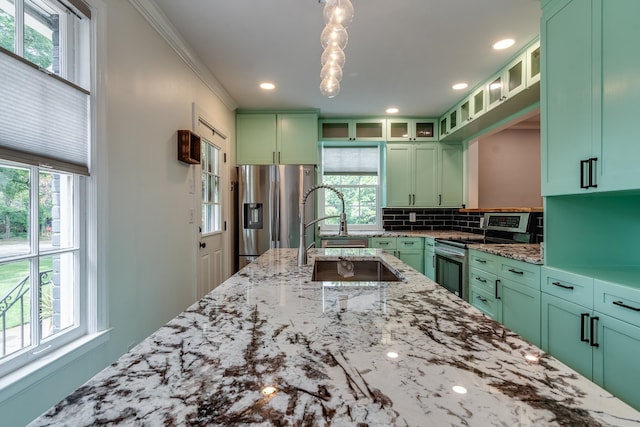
pixel 151 247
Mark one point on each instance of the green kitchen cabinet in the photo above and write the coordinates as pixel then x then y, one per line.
pixel 424 175
pixel 450 175
pixel 409 250
pixel 589 96
pixel 533 64
pixel 353 129
pixel 273 138
pixel 430 258
pixel 507 82
pixel 565 333
pixel 508 291
pixel 594 327
pixel 404 129
pixel 412 175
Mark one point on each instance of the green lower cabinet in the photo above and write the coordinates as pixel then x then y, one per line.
pixel 429 258
pixel 519 309
pixel 600 347
pixel 508 291
pixel 615 360
pixel 414 258
pixel 409 250
pixel 565 327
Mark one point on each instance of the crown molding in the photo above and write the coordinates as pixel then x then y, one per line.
pixel 158 20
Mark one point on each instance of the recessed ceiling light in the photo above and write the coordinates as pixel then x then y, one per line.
pixel 392 110
pixel 392 355
pixel 267 86
pixel 459 86
pixel 503 44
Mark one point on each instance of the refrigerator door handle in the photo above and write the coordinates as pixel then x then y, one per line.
pixel 275 212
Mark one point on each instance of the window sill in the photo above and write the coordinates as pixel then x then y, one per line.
pixel 26 376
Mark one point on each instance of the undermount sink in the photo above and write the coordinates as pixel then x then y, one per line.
pixel 346 270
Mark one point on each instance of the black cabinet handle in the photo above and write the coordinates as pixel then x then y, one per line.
pixel 516 271
pixel 409 199
pixel 481 261
pixel 496 289
pixel 414 200
pixel 582 317
pixel 481 298
pixel 582 163
pixel 623 305
pixel 592 332
pixel 592 162
pixel 409 243
pixel 439 199
pixel 560 285
pixel 480 279
pixel 203 245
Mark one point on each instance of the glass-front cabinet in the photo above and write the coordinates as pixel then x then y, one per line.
pixel 533 64
pixel 352 130
pixel 507 83
pixel 403 129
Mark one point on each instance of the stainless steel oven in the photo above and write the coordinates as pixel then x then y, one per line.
pixel 451 267
pixel 451 255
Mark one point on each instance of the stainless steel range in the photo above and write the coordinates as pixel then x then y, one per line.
pixel 499 228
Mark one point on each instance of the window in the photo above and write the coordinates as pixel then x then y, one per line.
pixel 39 260
pixel 50 34
pixel 44 162
pixel 354 171
pixel 211 211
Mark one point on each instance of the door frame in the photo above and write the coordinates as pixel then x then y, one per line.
pixel 200 116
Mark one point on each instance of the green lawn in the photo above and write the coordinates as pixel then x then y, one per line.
pixel 10 275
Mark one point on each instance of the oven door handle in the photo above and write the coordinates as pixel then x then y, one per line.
pixel 440 251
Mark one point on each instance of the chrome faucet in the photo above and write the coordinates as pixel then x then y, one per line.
pixel 302 248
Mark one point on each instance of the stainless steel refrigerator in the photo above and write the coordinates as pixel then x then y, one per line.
pixel 269 198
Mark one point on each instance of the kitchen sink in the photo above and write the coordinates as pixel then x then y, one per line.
pixel 346 270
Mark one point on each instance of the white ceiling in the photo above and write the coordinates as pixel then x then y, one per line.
pixel 404 53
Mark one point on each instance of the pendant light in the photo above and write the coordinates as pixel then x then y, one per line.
pixel 338 15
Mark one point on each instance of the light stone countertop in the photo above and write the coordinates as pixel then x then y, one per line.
pixel 527 252
pixel 436 234
pixel 343 354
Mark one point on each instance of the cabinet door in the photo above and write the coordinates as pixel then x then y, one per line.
pixel 615 360
pixel 335 130
pixel 533 64
pixel 565 333
pixel 386 243
pixel 414 258
pixel 369 130
pixel 256 139
pixel 520 309
pixel 619 159
pixel 450 175
pixel 566 95
pixel 298 144
pixel 426 175
pixel 515 76
pixel 399 175
pixel 429 261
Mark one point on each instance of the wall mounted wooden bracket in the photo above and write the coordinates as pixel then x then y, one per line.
pixel 188 147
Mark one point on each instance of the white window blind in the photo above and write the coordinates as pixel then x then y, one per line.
pixel 44 120
pixel 350 160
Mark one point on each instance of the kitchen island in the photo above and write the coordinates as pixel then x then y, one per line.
pixel 335 353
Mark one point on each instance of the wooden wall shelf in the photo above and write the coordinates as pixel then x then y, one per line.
pixel 188 147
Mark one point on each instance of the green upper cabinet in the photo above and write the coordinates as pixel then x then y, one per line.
pixel 412 174
pixel 411 129
pixel 589 96
pixel 424 175
pixel 273 138
pixel 533 64
pixel 352 130
pixel 508 82
pixel 450 175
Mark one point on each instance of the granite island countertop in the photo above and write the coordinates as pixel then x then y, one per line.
pixel 335 353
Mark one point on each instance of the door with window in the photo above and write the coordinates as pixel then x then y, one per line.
pixel 213 247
